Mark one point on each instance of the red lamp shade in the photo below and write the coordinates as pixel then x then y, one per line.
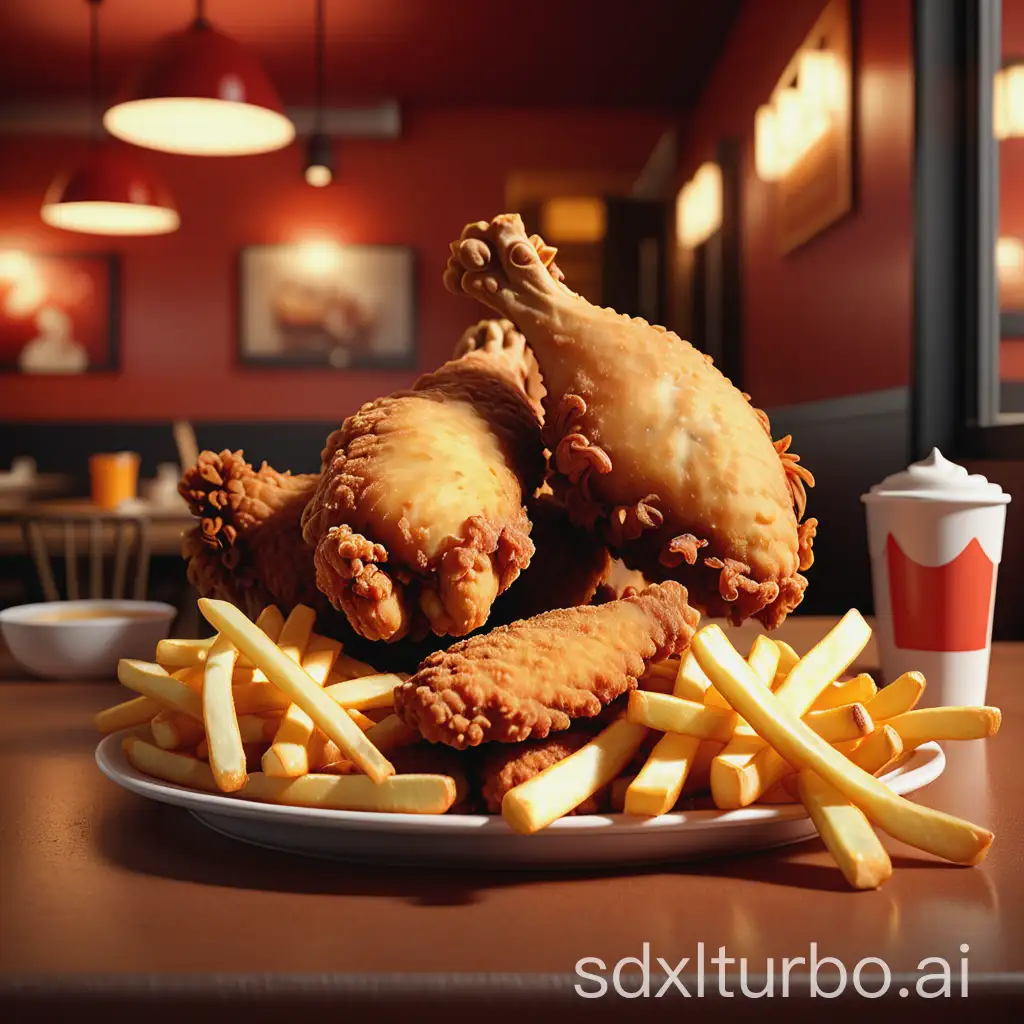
pixel 109 194
pixel 203 94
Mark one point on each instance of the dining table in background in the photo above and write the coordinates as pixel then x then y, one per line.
pixel 116 908
pixel 166 523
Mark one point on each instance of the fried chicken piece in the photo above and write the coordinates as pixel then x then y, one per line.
pixel 419 511
pixel 503 766
pixel 568 567
pixel 653 448
pixel 247 547
pixel 535 676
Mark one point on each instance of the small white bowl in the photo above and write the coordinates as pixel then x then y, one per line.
pixel 84 639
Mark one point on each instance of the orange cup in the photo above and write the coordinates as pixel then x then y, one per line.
pixel 114 477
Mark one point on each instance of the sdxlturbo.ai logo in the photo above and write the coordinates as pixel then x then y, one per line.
pixel 823 977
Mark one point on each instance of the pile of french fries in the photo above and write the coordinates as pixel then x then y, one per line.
pixel 772 728
pixel 318 721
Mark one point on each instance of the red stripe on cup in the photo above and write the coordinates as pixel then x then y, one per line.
pixel 940 607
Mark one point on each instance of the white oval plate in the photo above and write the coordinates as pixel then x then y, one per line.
pixel 486 840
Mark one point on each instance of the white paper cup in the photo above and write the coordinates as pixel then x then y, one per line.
pixel 934 564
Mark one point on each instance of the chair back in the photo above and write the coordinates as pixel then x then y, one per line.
pixel 89 537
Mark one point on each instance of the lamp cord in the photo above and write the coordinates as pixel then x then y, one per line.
pixel 201 21
pixel 319 33
pixel 94 69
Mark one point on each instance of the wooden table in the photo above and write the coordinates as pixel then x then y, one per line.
pixel 135 910
pixel 167 523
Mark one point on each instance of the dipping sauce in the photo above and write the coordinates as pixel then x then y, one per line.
pixel 82 614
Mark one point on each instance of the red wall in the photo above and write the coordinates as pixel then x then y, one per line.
pixel 178 345
pixel 1011 191
pixel 833 317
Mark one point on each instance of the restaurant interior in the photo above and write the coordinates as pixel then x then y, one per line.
pixel 826 196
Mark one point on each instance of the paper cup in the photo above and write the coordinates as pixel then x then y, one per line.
pixel 934 565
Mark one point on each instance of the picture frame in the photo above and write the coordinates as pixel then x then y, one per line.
pixel 60 312
pixel 322 304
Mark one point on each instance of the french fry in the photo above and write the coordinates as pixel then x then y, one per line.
pixel 699 779
pixel 742 774
pixel 930 830
pixel 271 621
pixel 764 657
pixel 126 715
pixel 391 733
pixel 565 785
pixel 172 730
pixel 191 676
pixel 152 681
pixel 846 722
pixel 168 765
pixel 877 751
pixel 691 683
pixel 288 755
pixel 846 832
pixel 258 698
pixel 787 659
pixel 174 653
pixel 350 668
pixel 656 787
pixel 227 757
pixel 672 714
pixel 366 692
pixel 296 631
pixel 365 722
pixel 296 684
pixel 860 689
pixel 900 696
pixel 951 723
pixel 399 794
pixel 617 792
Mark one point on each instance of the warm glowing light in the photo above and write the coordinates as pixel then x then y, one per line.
pixel 318 175
pixel 822 81
pixel 199 126
pixel 1010 258
pixel 14 265
pixel 699 206
pixel 1008 102
pixel 102 218
pixel 768 160
pixel 316 257
pixel 573 219
pixel 789 128
pixel 27 287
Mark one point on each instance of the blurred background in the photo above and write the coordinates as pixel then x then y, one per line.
pixel 760 176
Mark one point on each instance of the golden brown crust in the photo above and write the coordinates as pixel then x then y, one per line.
pixel 535 676
pixel 247 547
pixel 432 482
pixel 650 443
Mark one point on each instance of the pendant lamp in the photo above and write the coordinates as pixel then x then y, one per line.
pixel 203 94
pixel 107 193
pixel 319 152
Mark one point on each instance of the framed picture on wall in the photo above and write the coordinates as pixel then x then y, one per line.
pixel 320 303
pixel 59 313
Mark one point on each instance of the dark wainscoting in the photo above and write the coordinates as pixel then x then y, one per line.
pixel 848 444
pixel 65 447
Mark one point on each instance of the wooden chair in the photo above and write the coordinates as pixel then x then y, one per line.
pixel 130 536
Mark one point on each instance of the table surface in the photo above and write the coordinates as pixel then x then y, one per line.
pixel 97 880
pixel 166 522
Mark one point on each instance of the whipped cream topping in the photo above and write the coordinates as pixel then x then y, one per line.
pixel 937 479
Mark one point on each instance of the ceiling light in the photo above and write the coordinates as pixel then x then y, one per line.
pixel 1008 100
pixel 107 193
pixel 319 153
pixel 203 94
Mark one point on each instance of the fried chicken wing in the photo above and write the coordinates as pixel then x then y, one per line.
pixel 653 448
pixel 419 514
pixel 535 676
pixel 247 547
